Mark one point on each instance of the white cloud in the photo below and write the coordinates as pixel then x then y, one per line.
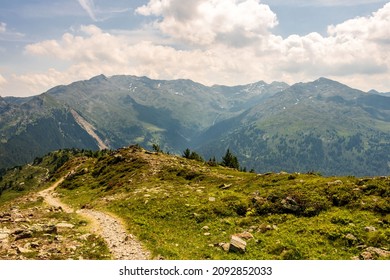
pixel 355 52
pixel 2 80
pixel 206 22
pixel 3 27
pixel 89 7
pixel 374 28
pixel 322 2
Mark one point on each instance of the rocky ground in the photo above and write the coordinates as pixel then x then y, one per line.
pixel 33 230
pixel 42 227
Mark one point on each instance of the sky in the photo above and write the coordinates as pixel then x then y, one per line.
pixel 45 43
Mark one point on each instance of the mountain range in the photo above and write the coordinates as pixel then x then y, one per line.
pixel 320 126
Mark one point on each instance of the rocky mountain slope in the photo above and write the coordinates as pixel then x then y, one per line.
pixel 322 125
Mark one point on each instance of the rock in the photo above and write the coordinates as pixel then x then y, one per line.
pixel 337 182
pixel 350 237
pixel 245 235
pixel 72 248
pixel 21 250
pixel 237 245
pixel 34 245
pixel 258 200
pixel 18 216
pixel 54 251
pixel 378 252
pixel 366 256
pixel 56 209
pixel 5 215
pixel 23 234
pixel 207 234
pixel 370 229
pixel 52 229
pixel 3 236
pixel 205 228
pixel 225 186
pixel 64 225
pixel 290 204
pixel 211 199
pixel 20 220
pixel 224 246
pixel 264 228
pixel 85 236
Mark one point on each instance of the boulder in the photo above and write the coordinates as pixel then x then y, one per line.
pixel 237 245
pixel 378 252
pixel 244 235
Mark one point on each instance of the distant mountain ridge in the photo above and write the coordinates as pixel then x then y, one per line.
pixel 320 126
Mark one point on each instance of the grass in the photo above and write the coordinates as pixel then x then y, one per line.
pixel 183 209
pixel 168 202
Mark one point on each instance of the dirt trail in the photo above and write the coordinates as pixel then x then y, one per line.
pixel 123 246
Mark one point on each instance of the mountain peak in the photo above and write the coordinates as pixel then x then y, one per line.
pixel 99 78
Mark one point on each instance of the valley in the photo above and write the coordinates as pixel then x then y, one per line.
pixel 322 126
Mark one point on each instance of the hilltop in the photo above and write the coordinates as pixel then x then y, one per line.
pixel 187 209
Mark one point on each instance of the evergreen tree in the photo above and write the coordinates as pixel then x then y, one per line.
pixel 156 148
pixel 186 153
pixel 230 160
pixel 212 162
pixel 192 155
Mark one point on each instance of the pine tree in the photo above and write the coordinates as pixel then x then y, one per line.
pixel 230 160
pixel 186 153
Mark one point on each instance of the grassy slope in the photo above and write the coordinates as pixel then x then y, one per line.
pixel 167 201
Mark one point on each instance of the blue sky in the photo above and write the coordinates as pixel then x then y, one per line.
pixel 45 43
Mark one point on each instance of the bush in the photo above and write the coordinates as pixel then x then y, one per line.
pixel 341 195
pixel 234 203
pixel 192 155
pixel 297 202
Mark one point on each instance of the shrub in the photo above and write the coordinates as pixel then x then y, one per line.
pixel 234 203
pixel 341 195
